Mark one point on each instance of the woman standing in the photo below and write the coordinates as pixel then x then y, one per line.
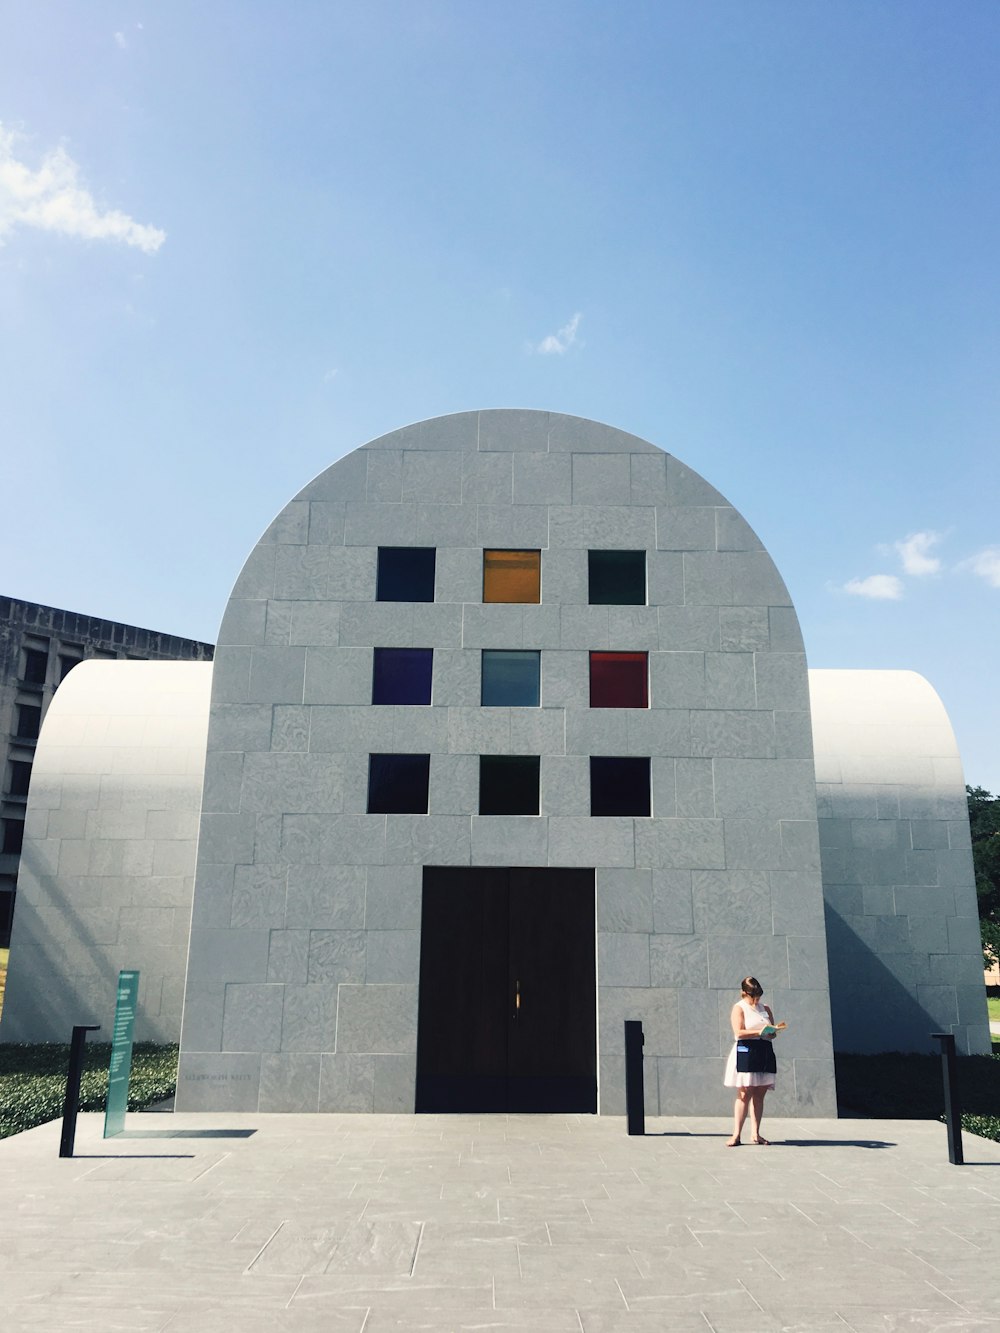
pixel 751 1071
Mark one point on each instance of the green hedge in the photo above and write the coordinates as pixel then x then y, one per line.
pixel 909 1087
pixel 33 1080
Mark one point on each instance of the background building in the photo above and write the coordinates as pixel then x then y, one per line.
pixel 39 646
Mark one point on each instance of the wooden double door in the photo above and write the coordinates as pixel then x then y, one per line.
pixel 508 1012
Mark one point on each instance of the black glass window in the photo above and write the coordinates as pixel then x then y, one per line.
pixel 20 775
pixel 402 675
pixel 508 784
pixel 510 679
pixel 617 578
pixel 29 721
pixel 405 574
pixel 398 784
pixel 619 787
pixel 13 835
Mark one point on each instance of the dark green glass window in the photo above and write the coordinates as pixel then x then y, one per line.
pixel 617 578
pixel 508 784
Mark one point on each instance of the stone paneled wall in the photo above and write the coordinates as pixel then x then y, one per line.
pixel 107 870
pixel 902 917
pixel 302 986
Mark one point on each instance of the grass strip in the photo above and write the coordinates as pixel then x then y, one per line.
pixel 909 1087
pixel 33 1080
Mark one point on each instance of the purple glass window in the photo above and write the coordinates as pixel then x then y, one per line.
pixel 402 675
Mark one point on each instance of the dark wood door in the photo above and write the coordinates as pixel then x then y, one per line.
pixel 507 1017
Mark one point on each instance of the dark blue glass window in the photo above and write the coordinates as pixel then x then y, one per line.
pixel 402 675
pixel 510 679
pixel 405 574
pixel 617 578
pixel 619 787
pixel 398 783
pixel 508 784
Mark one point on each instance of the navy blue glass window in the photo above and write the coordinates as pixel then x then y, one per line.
pixel 405 574
pixel 398 783
pixel 619 787
pixel 510 679
pixel 402 675
pixel 617 578
pixel 508 784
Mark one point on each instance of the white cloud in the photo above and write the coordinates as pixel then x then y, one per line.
pixel 914 553
pixel 559 343
pixel 331 375
pixel 120 41
pixel 986 563
pixel 53 199
pixel 879 587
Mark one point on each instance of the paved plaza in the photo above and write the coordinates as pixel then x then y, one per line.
pixel 365 1224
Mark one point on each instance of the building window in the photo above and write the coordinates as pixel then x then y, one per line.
pixel 13 836
pixel 511 679
pixel 66 664
pixel 619 787
pixel 619 680
pixel 34 666
pixel 405 574
pixel 20 776
pixel 398 784
pixel 512 576
pixel 29 722
pixel 508 784
pixel 617 578
pixel 402 675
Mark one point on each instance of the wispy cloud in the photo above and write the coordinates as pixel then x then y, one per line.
pixel 557 344
pixel 52 198
pixel 877 587
pixel 985 563
pixel 120 41
pixel 914 553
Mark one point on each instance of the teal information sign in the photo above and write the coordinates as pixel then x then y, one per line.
pixel 121 1053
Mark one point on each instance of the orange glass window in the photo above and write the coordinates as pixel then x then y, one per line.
pixel 512 576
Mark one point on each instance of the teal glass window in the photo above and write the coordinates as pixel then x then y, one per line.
pixel 511 678
pixel 508 784
pixel 617 578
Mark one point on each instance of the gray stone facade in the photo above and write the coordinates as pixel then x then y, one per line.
pixel 302 984
pixel 902 915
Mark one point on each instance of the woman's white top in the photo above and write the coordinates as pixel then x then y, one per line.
pixel 754 1018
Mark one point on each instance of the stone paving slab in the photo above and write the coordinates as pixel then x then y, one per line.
pixel 375 1224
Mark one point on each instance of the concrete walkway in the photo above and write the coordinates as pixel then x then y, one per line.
pixel 560 1224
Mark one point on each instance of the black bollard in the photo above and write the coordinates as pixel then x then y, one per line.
pixel 635 1093
pixel 72 1102
pixel 952 1105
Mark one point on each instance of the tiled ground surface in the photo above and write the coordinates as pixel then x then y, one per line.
pixel 348 1223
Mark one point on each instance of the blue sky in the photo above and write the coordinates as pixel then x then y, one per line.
pixel 238 240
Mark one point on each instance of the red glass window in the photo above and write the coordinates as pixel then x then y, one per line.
pixel 619 680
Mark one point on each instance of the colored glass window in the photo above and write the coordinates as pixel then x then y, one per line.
pixel 508 784
pixel 405 574
pixel 398 783
pixel 402 675
pixel 512 576
pixel 617 578
pixel 619 787
pixel 619 680
pixel 511 679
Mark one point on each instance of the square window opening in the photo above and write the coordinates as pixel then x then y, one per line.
pixel 20 777
pixel 511 679
pixel 398 784
pixel 619 787
pixel 13 836
pixel 508 784
pixel 29 721
pixel 405 574
pixel 512 576
pixel 617 578
pixel 34 666
pixel 619 680
pixel 402 675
